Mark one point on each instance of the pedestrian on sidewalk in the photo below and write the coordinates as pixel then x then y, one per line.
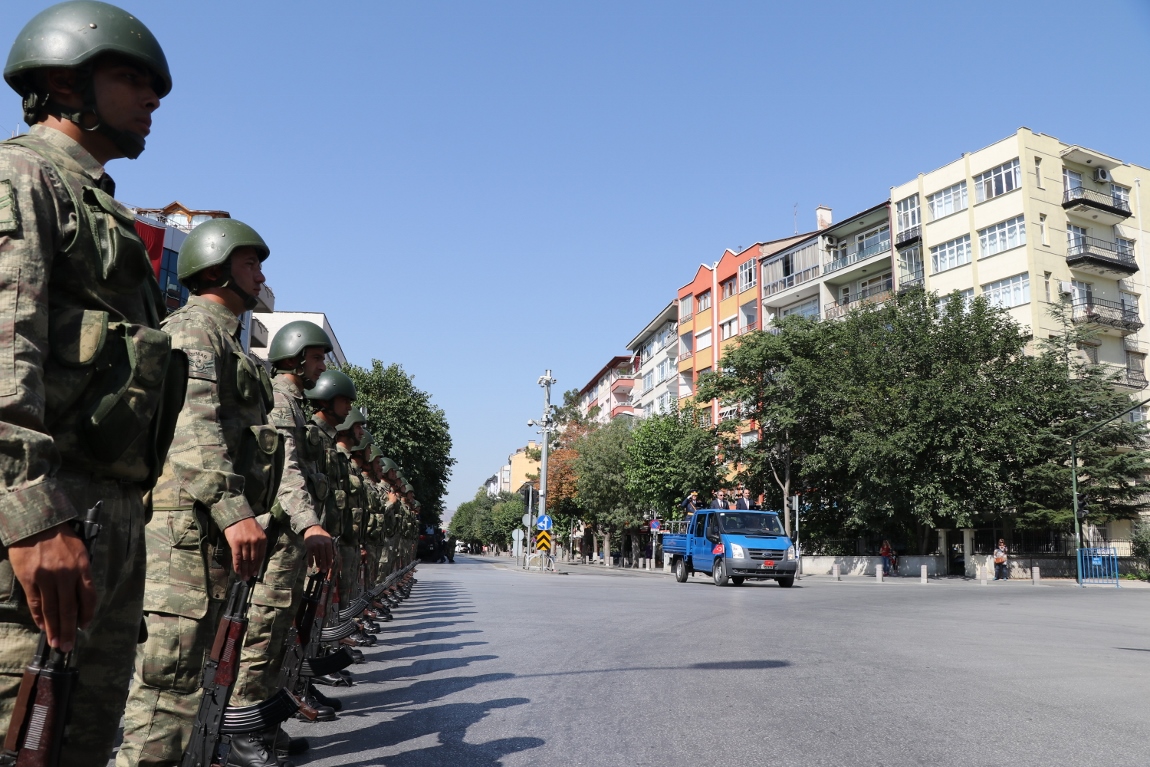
pixel 887 553
pixel 1001 573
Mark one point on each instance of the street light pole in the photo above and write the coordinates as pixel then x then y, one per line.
pixel 546 426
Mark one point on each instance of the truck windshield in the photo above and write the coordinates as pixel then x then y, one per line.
pixel 749 523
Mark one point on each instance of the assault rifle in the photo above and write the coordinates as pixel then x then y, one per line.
pixel 44 702
pixel 318 634
pixel 210 744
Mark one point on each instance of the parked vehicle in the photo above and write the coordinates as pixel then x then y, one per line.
pixel 732 546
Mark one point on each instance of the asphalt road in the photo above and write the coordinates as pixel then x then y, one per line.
pixel 486 665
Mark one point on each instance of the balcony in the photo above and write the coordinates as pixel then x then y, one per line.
pixel 1131 379
pixel 684 356
pixel 686 317
pixel 266 300
pixel 748 327
pixel 858 256
pixel 786 283
pixel 1107 209
pixel 621 409
pixel 1107 259
pixel 872 295
pixel 624 383
pixel 908 237
pixel 911 280
pixel 259 334
pixel 1107 314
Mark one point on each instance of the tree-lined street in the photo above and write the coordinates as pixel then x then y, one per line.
pixel 488 665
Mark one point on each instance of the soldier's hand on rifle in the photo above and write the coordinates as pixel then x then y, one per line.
pixel 319 551
pixel 248 543
pixel 54 569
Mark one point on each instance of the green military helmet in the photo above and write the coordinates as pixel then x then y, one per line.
pixel 354 417
pixel 388 464
pixel 364 444
pixel 290 340
pixel 213 242
pixel 332 384
pixel 375 453
pixel 72 35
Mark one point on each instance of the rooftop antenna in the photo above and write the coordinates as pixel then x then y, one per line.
pixel 796 218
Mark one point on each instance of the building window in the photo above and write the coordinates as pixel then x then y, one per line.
pixel 1071 179
pixel 966 296
pixel 950 254
pixel 175 294
pixel 1090 351
pixel 728 288
pixel 685 384
pixel 1121 195
pixel 996 181
pixel 1042 228
pixel 808 309
pixel 949 200
pixel 729 329
pixel 1075 235
pixel 1129 301
pixel 747 274
pixel 1125 246
pixel 686 308
pixel 1013 291
pixel 907 213
pixel 1081 292
pixel 704 301
pixel 703 340
pixel 1038 172
pixel 1046 285
pixel 1002 236
pixel 685 347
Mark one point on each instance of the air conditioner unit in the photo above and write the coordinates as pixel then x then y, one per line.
pixel 1102 176
pixel 1065 288
pixel 831 241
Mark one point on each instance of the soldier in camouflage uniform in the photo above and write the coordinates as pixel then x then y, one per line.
pixel 222 472
pixel 297 353
pixel 84 367
pixel 351 440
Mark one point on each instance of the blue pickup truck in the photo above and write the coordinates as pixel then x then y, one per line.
pixel 732 546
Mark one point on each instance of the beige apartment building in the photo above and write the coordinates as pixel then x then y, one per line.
pixel 1023 222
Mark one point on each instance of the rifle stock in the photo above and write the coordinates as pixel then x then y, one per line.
pixel 44 702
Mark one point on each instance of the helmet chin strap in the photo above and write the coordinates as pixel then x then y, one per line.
pixel 229 282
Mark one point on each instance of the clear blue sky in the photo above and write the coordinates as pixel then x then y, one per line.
pixel 510 186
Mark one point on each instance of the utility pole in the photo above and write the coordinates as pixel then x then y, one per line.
pixel 546 426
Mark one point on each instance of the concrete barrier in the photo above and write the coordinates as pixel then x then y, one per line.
pixel 908 564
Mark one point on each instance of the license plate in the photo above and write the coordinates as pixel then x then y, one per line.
pixel 769 563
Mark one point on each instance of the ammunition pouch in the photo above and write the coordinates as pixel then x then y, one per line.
pixel 260 461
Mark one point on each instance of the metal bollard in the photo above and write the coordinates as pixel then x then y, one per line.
pixel 878 573
pixel 1035 576
pixel 836 572
pixel 922 574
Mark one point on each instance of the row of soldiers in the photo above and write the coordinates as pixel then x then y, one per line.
pixel 206 470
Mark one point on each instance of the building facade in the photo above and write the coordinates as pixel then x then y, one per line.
pixel 608 394
pixel 274 320
pixel 656 349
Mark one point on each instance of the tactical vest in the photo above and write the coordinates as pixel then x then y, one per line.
pixel 112 387
pixel 334 468
pixel 353 524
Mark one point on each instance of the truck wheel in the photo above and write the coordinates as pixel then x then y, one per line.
pixel 737 580
pixel 787 582
pixel 718 573
pixel 681 570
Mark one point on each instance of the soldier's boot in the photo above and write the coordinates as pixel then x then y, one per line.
pixel 317 696
pixel 322 713
pixel 348 679
pixel 254 749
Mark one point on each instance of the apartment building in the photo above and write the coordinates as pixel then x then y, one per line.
pixel 610 390
pixel 718 305
pixel 656 349
pixel 1026 221
pixel 518 471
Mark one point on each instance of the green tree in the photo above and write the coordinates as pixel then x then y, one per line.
pixel 668 456
pixel 410 429
pixel 601 480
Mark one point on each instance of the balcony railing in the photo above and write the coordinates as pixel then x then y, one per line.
pixel 1091 248
pixel 908 236
pixel 684 356
pixel 1100 311
pixel 685 317
pixel 798 278
pixel 1111 202
pixel 622 410
pixel 1133 379
pixel 908 280
pixel 747 328
pixel 860 255
pixel 872 295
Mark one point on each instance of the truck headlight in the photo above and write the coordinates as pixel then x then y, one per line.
pixel 790 552
pixel 738 552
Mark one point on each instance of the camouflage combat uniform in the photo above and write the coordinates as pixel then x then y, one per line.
pixel 76 289
pixel 349 544
pixel 298 504
pixel 223 467
pixel 335 468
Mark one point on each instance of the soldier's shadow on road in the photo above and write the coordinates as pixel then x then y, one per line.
pixel 449 722
pixel 421 668
pixel 413 650
pixel 419 693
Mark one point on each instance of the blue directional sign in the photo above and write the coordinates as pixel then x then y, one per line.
pixel 543 523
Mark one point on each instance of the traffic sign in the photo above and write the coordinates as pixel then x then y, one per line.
pixel 543 541
pixel 543 523
pixel 527 519
pixel 517 534
pixel 655 525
